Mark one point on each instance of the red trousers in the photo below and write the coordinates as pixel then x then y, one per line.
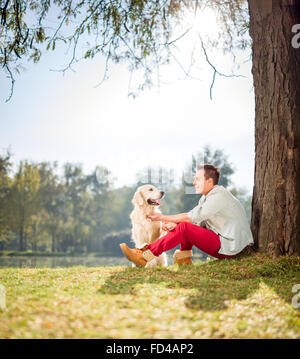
pixel 189 235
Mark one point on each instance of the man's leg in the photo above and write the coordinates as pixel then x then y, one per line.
pixel 188 235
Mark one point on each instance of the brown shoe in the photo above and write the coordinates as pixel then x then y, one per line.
pixel 139 257
pixel 183 257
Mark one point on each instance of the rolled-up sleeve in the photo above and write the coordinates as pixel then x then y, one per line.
pixel 203 211
pixel 193 214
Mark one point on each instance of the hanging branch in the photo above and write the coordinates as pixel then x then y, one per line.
pixel 12 81
pixel 216 72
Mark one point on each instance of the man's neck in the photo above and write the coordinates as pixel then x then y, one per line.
pixel 205 194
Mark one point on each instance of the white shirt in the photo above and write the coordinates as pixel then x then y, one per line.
pixel 222 213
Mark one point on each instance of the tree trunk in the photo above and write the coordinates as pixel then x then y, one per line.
pixel 35 245
pixel 25 240
pixel 53 241
pixel 21 239
pixel 275 219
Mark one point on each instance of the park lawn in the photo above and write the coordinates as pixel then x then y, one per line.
pixel 247 297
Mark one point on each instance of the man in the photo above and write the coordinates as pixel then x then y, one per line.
pixel 217 226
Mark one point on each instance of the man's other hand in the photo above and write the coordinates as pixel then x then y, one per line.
pixel 168 226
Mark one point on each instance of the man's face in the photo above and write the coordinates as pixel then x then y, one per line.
pixel 202 185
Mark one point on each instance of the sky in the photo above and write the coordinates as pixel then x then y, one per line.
pixel 66 118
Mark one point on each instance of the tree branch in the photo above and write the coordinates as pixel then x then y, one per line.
pixel 12 80
pixel 216 72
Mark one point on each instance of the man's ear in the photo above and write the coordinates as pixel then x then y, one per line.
pixel 138 198
pixel 212 182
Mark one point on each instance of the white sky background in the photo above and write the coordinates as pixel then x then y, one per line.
pixel 65 118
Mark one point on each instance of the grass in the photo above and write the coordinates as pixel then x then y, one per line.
pixel 247 297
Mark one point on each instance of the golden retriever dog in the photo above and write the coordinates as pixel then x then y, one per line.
pixel 146 200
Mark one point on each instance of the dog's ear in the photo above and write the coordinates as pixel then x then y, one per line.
pixel 138 198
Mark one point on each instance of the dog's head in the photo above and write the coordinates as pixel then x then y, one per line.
pixel 148 195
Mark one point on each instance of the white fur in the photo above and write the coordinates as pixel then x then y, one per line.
pixel 145 231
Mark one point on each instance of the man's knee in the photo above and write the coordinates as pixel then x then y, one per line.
pixel 182 226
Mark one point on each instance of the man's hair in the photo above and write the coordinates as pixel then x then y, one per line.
pixel 210 171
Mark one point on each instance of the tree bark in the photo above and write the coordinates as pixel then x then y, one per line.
pixel 275 219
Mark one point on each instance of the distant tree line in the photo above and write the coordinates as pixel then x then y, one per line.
pixel 73 212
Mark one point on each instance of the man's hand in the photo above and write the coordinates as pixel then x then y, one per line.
pixel 155 217
pixel 168 226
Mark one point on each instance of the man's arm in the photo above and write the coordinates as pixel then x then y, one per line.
pixel 213 204
pixel 176 218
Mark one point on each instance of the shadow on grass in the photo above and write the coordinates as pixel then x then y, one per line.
pixel 213 282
